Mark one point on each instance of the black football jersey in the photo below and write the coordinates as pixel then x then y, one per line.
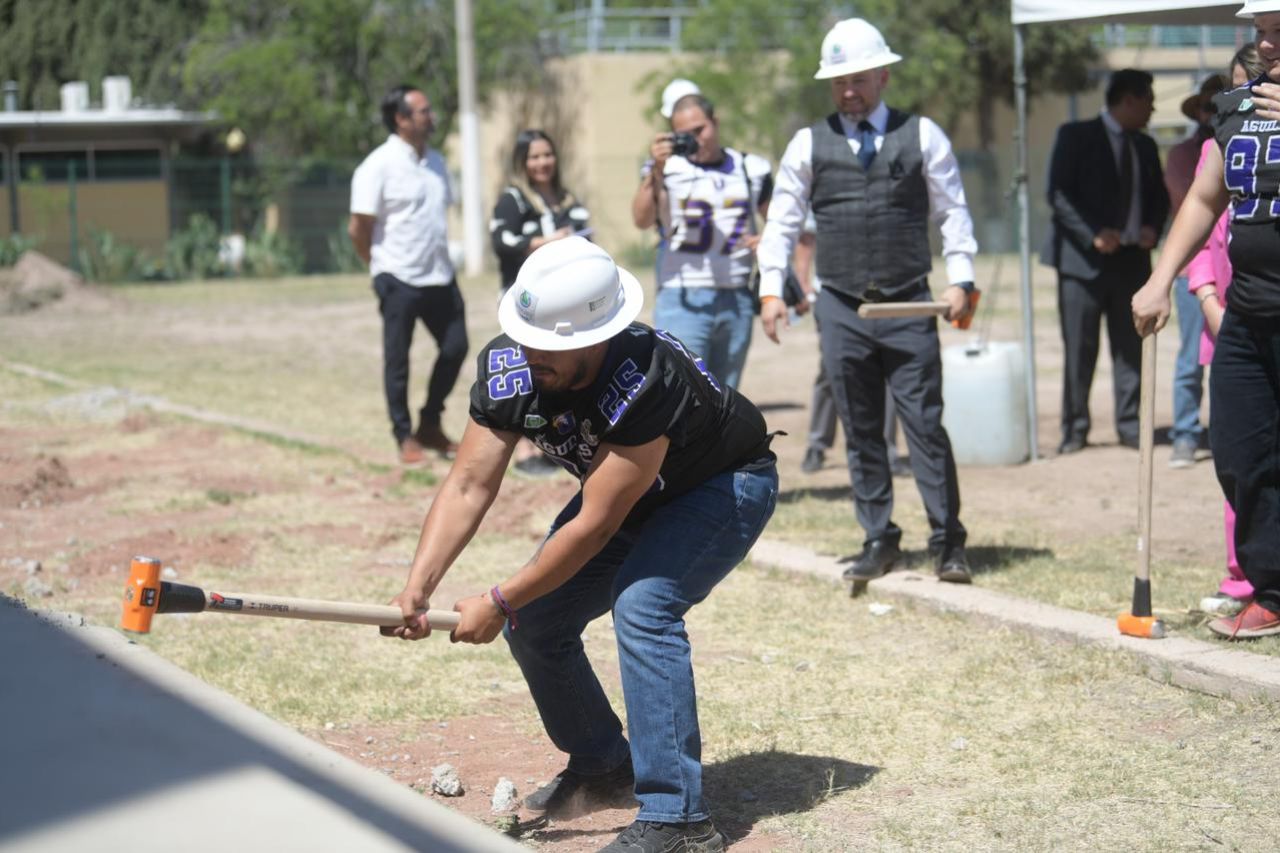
pixel 1251 169
pixel 650 385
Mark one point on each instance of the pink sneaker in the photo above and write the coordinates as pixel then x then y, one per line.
pixel 1253 622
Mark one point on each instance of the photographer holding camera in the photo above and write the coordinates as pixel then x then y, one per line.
pixel 706 198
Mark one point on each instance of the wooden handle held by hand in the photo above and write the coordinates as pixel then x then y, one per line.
pixel 382 615
pixel 892 310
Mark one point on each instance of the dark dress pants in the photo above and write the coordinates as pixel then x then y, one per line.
pixel 1081 306
pixel 441 310
pixel 1244 432
pixel 860 357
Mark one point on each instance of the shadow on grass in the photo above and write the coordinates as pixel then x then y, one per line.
pixel 983 559
pixel 746 788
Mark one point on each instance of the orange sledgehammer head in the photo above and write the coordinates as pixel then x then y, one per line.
pixel 141 595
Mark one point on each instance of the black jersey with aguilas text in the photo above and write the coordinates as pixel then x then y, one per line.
pixel 650 385
pixel 1251 169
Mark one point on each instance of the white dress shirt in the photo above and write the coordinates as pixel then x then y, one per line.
pixel 1115 135
pixel 791 193
pixel 408 196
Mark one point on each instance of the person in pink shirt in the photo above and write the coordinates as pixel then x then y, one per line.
pixel 1208 278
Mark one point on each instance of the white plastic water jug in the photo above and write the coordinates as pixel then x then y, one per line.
pixel 984 396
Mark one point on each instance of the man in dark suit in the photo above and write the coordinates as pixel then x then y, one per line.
pixel 1109 202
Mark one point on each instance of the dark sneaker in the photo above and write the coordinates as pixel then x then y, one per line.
pixel 813 459
pixel 572 794
pixel 1253 622
pixel 1184 453
pixel 431 437
pixel 647 837
pixel 877 558
pixel 953 566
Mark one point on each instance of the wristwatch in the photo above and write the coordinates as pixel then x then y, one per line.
pixel 811 297
pixel 966 286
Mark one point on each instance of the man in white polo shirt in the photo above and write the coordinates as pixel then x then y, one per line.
pixel 398 199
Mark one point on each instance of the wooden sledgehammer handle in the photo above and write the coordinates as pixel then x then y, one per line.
pixel 282 607
pixel 892 310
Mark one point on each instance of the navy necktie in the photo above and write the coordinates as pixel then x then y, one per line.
pixel 866 144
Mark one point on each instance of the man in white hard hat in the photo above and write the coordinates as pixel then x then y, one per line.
pixel 1244 431
pixel 875 177
pixel 677 483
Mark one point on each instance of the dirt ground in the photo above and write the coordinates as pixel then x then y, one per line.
pixel 66 481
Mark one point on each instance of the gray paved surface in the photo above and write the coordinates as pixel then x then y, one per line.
pixel 106 746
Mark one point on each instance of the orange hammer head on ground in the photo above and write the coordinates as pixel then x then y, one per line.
pixel 141 595
pixel 145 595
pixel 1146 627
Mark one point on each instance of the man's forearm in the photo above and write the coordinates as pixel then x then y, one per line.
pixel 561 557
pixel 453 519
pixel 361 240
pixel 645 203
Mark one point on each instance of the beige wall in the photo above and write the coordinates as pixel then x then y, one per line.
pixel 135 212
pixel 602 118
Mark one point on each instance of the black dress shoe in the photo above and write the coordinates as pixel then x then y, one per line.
pixel 813 459
pixel 877 558
pixel 1129 441
pixel 952 566
pixel 1071 445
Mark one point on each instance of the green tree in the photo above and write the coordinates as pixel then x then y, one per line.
pixel 757 59
pixel 45 43
pixel 303 78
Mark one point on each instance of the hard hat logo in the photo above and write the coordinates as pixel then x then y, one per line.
pixel 568 295
pixel 853 45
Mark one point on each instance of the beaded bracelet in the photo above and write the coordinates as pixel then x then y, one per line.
pixel 496 596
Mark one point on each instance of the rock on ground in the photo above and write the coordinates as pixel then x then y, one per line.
pixel 444 781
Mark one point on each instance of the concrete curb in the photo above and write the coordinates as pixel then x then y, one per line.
pixel 1207 667
pixel 114 748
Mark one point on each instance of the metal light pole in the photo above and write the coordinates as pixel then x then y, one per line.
pixel 469 134
pixel 1024 237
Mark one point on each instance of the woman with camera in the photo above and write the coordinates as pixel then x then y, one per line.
pixel 706 198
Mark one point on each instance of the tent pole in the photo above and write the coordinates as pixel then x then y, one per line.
pixel 1024 236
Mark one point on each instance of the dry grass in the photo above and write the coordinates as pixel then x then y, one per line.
pixel 913 730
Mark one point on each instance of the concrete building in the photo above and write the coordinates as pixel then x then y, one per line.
pixel 64 172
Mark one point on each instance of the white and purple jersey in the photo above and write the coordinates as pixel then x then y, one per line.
pixel 710 211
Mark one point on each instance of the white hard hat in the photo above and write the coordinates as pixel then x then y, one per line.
pixel 569 294
pixel 1257 7
pixel 851 46
pixel 676 90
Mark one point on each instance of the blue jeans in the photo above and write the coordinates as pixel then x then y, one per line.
pixel 714 323
pixel 1188 373
pixel 649 577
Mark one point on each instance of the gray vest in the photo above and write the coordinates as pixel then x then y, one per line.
pixel 872 225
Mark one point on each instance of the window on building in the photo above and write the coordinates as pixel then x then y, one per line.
pixel 54 166
pixel 113 165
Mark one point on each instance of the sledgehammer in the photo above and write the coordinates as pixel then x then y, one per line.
pixel 146 595
pixel 1139 621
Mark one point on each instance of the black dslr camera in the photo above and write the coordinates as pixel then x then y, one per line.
pixel 684 144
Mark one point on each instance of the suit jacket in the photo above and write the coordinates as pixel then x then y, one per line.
pixel 1084 195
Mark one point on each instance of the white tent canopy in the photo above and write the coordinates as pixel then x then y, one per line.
pixel 1129 11
pixel 1173 12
